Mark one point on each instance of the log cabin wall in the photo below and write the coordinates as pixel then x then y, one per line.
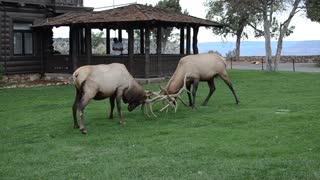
pixel 15 16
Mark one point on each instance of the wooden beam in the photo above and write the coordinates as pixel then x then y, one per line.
pixel 120 35
pixel 141 41
pixel 40 39
pixel 74 41
pixel 108 41
pixel 88 44
pixel 195 40
pixel 82 41
pixel 130 48
pixel 188 40
pixel 182 37
pixel 147 53
pixel 159 47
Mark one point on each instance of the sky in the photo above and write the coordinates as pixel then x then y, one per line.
pixel 304 28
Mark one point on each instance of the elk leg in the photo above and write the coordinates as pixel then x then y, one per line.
pixel 111 99
pixel 118 99
pixel 75 109
pixel 225 78
pixel 83 103
pixel 194 91
pixel 212 88
pixel 188 86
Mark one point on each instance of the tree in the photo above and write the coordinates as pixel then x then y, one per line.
pixel 234 16
pixel 271 26
pixel 171 5
pixel 285 31
pixel 97 39
pixel 313 10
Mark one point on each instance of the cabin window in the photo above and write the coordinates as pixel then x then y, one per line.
pixel 22 39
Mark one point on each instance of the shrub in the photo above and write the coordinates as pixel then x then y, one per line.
pixel 231 54
pixel 318 62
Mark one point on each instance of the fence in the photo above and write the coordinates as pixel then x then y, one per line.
pixel 287 63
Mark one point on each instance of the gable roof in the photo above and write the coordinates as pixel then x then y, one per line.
pixel 135 13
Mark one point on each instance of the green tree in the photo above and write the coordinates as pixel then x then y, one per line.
pixel 313 10
pixel 234 16
pixel 97 39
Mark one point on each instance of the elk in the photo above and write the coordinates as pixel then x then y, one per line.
pixel 111 81
pixel 195 68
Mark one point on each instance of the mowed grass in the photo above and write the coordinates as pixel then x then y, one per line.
pixel 274 133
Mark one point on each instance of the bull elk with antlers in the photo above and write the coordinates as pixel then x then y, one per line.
pixel 195 68
pixel 111 81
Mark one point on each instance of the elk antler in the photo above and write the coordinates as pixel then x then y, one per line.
pixel 172 97
pixel 169 100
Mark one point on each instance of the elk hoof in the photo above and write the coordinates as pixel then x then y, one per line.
pixel 122 122
pixel 76 126
pixel 83 131
pixel 110 117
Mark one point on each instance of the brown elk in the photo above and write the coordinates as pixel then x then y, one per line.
pixel 111 81
pixel 200 67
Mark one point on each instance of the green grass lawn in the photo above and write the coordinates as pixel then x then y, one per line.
pixel 274 133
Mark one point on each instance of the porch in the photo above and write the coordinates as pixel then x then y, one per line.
pixel 132 18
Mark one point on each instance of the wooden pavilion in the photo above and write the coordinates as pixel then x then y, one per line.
pixel 132 17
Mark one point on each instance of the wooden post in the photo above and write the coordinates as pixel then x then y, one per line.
pixel 88 44
pixel 130 48
pixel 147 53
pixel 159 62
pixel 108 41
pixel 120 35
pixel 141 41
pixel 195 40
pixel 188 40
pixel 71 34
pixel 293 66
pixel 4 31
pixel 82 41
pixel 74 42
pixel 41 35
pixel 182 40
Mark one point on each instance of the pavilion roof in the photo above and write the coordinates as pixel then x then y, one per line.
pixel 134 13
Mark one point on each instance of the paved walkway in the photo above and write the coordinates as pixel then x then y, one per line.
pixel 299 67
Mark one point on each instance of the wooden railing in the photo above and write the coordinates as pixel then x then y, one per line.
pixel 61 63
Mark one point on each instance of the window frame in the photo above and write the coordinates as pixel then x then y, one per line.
pixel 23 32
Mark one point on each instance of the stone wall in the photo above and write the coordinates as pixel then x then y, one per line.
pixel 50 79
pixel 26 78
pixel 284 59
pixel 20 78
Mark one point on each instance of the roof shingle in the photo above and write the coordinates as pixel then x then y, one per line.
pixel 130 13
